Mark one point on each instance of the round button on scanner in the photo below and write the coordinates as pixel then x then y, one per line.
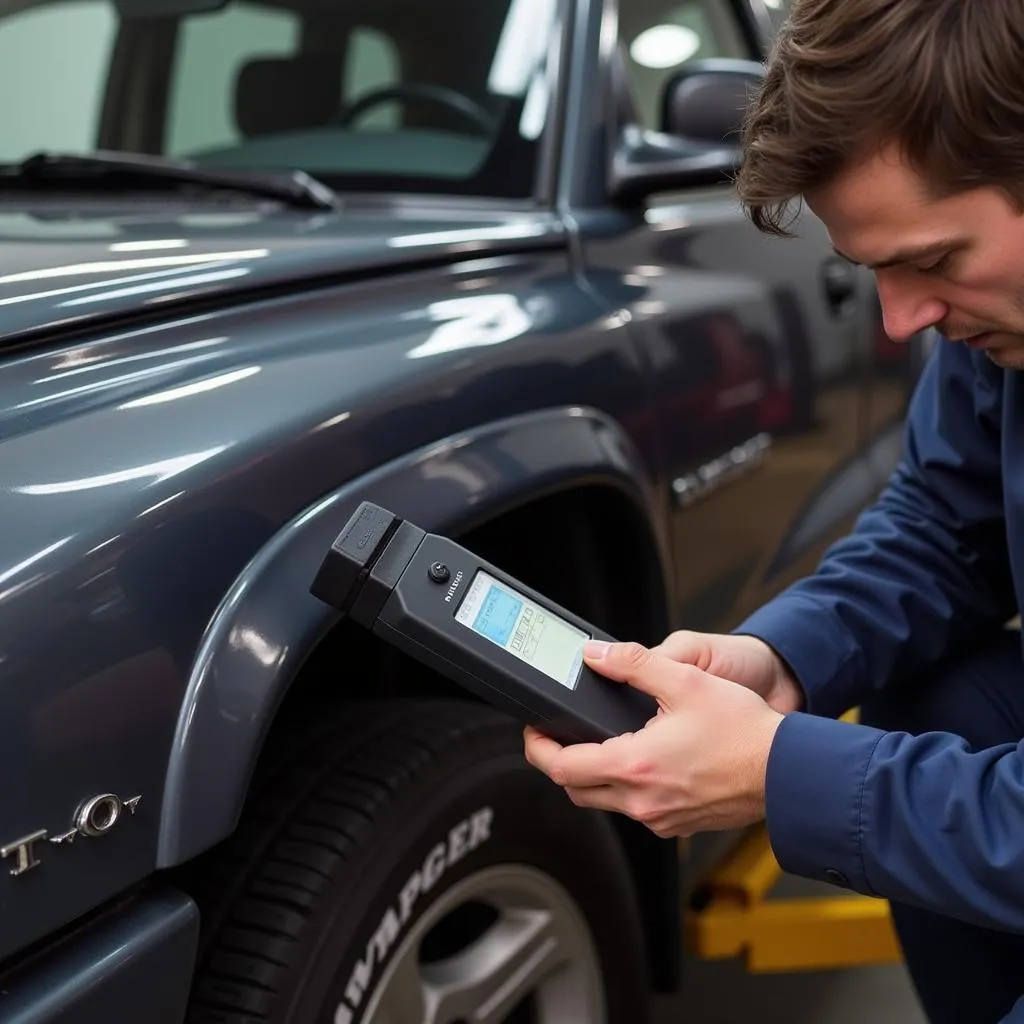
pixel 439 572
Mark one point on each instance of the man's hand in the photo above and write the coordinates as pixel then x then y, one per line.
pixel 742 659
pixel 697 766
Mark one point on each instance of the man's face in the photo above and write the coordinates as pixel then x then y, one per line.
pixel 956 264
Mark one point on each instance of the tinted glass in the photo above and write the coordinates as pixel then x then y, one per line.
pixel 435 95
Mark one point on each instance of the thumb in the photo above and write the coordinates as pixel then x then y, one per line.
pixel 641 668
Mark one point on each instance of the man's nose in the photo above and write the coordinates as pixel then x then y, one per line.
pixel 908 306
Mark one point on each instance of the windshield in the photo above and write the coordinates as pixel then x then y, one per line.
pixel 400 95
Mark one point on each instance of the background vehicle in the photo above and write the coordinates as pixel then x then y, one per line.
pixel 435 255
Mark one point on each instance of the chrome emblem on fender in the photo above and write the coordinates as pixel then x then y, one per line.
pixel 94 817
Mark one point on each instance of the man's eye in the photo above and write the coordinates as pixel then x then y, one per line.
pixel 938 266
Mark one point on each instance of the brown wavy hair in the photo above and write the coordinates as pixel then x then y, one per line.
pixel 942 79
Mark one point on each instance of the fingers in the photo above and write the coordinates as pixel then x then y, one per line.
pixel 591 774
pixel 685 646
pixel 624 662
pixel 597 798
pixel 581 765
pixel 541 751
pixel 602 777
pixel 643 669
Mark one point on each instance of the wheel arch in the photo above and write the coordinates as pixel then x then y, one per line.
pixel 270 637
pixel 268 624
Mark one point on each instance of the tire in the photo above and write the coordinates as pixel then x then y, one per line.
pixel 407 852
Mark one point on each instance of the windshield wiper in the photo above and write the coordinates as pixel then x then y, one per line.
pixel 136 169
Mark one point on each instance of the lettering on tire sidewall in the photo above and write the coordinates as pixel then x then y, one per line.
pixel 463 838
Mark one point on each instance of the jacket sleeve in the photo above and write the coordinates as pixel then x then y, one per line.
pixel 919 820
pixel 926 568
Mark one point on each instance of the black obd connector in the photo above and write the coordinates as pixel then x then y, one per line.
pixel 352 555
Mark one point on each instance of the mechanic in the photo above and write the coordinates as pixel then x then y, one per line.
pixel 900 124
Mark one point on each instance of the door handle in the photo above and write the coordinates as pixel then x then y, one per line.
pixel 840 283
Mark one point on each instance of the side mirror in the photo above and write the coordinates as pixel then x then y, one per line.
pixel 702 112
pixel 708 100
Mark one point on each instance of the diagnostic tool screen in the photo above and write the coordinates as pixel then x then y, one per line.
pixel 531 633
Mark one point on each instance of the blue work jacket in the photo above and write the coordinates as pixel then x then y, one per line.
pixel 935 564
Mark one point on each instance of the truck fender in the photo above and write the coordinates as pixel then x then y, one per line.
pixel 268 623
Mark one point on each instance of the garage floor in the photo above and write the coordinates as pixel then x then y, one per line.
pixel 723 993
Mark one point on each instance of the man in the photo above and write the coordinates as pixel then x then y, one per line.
pixel 900 123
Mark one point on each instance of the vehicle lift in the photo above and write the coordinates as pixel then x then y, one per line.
pixel 736 917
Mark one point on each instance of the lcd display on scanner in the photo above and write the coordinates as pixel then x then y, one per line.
pixel 532 634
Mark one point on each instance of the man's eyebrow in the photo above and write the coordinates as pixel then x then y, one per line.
pixel 909 255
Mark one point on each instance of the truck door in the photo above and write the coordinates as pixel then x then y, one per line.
pixel 758 347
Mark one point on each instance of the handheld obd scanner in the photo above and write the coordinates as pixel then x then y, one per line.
pixel 477 626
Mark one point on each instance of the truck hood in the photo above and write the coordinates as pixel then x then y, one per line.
pixel 62 269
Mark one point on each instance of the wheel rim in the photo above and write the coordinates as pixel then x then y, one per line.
pixel 535 958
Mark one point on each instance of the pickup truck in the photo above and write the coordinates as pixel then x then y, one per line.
pixel 263 260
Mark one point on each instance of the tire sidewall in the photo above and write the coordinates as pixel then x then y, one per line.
pixel 479 806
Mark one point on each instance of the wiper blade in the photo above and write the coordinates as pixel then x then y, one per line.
pixel 295 187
